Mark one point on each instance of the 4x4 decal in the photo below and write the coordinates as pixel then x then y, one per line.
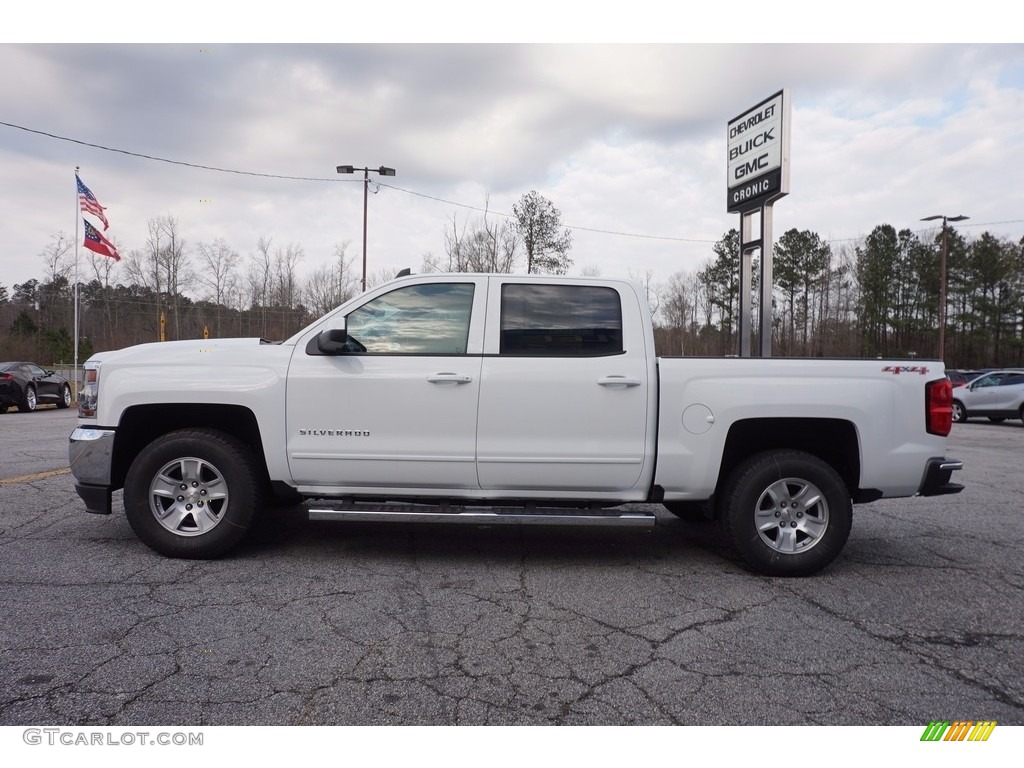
pixel 896 370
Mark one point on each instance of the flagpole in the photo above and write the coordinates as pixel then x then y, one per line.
pixel 77 216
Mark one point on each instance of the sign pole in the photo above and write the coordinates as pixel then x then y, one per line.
pixel 767 280
pixel 748 244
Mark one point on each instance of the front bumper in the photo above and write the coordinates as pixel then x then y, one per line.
pixel 936 477
pixel 90 453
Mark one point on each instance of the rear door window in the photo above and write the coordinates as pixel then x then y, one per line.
pixel 560 321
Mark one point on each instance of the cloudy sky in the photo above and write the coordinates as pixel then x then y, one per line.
pixel 628 140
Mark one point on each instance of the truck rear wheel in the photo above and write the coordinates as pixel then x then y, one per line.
pixel 786 513
pixel 192 493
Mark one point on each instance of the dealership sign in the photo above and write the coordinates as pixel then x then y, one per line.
pixel 758 156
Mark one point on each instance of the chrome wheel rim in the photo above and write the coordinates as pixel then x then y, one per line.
pixel 791 516
pixel 30 398
pixel 188 496
pixel 67 396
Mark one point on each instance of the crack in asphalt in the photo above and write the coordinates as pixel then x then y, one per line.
pixel 916 645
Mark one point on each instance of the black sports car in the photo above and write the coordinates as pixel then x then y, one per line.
pixel 26 385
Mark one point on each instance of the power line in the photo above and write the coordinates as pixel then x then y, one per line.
pixel 323 179
pixel 408 191
pixel 166 160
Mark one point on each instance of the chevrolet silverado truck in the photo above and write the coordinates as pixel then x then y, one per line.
pixel 490 399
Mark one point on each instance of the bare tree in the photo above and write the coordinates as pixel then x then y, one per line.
pixel 143 267
pixel 285 281
pixel 217 261
pixel 59 257
pixel 652 290
pixel 380 276
pixel 679 309
pixel 218 272
pixel 102 267
pixel 332 284
pixel 56 294
pixel 483 247
pixel 162 267
pixel 99 290
pixel 258 278
pixel 176 268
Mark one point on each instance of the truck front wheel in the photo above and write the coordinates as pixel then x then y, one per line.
pixel 786 513
pixel 192 493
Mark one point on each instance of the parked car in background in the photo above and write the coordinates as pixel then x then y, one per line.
pixel 998 395
pixel 961 378
pixel 956 377
pixel 28 385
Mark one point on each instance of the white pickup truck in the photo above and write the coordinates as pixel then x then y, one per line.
pixel 502 399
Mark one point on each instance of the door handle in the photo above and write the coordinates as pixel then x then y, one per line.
pixel 449 378
pixel 619 381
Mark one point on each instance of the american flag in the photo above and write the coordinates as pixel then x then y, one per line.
pixel 89 204
pixel 95 241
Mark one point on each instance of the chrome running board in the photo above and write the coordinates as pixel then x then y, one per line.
pixel 481 515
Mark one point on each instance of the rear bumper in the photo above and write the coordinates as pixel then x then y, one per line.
pixel 937 474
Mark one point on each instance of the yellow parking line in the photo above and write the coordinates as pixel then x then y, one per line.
pixel 37 476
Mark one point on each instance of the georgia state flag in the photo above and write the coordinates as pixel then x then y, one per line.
pixel 94 241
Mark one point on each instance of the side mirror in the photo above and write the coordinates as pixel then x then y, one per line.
pixel 333 341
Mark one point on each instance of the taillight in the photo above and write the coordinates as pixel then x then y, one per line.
pixel 939 407
pixel 6 377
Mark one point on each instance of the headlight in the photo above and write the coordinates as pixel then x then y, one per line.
pixel 89 393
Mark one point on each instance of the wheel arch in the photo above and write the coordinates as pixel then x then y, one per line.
pixel 834 441
pixel 142 424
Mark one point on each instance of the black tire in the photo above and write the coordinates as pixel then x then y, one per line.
pixel 759 521
pixel 693 511
pixel 959 412
pixel 28 401
pixel 65 397
pixel 192 493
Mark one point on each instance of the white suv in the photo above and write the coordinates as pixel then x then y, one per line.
pixel 999 395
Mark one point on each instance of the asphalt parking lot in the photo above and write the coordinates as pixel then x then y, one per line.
pixel 919 619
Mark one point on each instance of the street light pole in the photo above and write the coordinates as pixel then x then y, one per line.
pixel 383 171
pixel 942 279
